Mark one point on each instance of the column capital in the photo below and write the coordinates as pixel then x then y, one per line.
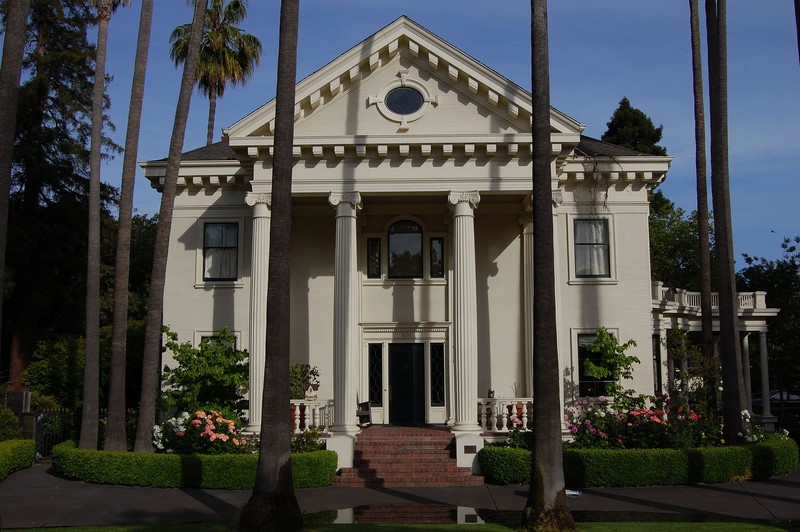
pixel 354 198
pixel 454 198
pixel 253 198
pixel 558 198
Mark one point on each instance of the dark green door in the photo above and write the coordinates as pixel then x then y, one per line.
pixel 406 384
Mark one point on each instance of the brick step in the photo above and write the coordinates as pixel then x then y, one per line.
pixel 473 480
pixel 406 469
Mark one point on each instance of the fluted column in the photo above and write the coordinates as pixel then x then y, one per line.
pixel 259 268
pixel 465 315
pixel 527 280
pixel 346 342
pixel 748 389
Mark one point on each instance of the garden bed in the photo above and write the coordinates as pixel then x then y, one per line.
pixel 221 471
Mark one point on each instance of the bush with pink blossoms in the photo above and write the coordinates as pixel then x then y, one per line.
pixel 205 432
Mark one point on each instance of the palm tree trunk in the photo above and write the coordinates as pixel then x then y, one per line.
pixel 151 357
pixel 10 73
pixel 91 368
pixel 546 506
pixel 115 431
pixel 273 505
pixel 702 208
pixel 730 349
pixel 212 111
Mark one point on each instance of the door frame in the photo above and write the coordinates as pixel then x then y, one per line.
pixel 421 333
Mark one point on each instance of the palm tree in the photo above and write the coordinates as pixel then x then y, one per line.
pixel 273 505
pixel 546 506
pixel 10 73
pixel 730 350
pixel 151 355
pixel 228 54
pixel 115 439
pixel 702 202
pixel 91 368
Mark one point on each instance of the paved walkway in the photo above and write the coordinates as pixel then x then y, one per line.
pixel 35 497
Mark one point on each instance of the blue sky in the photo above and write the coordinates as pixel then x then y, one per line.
pixel 600 52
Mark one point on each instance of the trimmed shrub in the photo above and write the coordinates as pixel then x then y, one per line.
pixel 10 426
pixel 774 457
pixel 505 465
pixel 236 471
pixel 585 468
pixel 16 455
pixel 624 467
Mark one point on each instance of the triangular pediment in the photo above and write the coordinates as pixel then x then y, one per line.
pixel 345 101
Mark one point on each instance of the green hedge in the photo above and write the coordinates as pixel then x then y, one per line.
pixel 224 471
pixel 16 455
pixel 648 467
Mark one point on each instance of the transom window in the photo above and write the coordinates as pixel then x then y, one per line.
pixel 592 249
pixel 220 251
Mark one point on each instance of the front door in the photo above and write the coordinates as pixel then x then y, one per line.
pixel 407 384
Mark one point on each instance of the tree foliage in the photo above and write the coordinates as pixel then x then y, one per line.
pixel 781 280
pixel 631 128
pixel 212 376
pixel 674 248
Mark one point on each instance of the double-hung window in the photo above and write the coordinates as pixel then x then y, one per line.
pixel 220 251
pixel 592 248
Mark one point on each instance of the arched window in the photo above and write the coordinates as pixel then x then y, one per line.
pixel 405 250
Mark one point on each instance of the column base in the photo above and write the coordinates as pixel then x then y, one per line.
pixel 467 446
pixel 343 444
pixel 768 422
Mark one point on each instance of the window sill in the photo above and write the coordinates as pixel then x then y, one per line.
pixel 219 284
pixel 405 282
pixel 593 281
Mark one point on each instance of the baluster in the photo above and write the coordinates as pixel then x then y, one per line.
pixel 482 414
pixel 297 418
pixel 504 417
pixel 524 415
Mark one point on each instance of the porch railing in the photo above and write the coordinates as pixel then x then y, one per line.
pixel 306 414
pixel 683 298
pixel 495 414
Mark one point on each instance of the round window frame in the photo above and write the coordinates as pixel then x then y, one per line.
pixel 408 83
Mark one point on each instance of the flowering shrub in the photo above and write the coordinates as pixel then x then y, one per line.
pixel 204 433
pixel 307 441
pixel 519 437
pixel 633 425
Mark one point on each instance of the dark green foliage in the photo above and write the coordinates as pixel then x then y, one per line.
pixel 505 465
pixel 300 376
pixel 585 468
pixel 10 427
pixel 624 467
pixel 307 441
pixel 213 376
pixel 57 367
pixel 781 280
pixel 184 471
pixel 674 245
pixel 631 128
pixel 773 457
pixel 16 455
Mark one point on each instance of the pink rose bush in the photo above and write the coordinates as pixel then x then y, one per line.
pixel 635 424
pixel 205 432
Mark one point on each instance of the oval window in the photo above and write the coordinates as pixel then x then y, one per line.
pixel 404 101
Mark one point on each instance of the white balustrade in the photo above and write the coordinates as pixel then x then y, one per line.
pixel 681 297
pixel 495 414
pixel 306 414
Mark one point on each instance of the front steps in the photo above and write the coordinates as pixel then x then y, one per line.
pixel 387 456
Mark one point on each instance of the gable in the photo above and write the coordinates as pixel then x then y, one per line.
pixel 467 97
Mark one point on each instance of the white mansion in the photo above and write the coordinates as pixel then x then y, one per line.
pixel 411 240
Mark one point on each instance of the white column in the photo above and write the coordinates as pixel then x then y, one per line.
pixel 259 267
pixel 346 338
pixel 748 388
pixel 465 315
pixel 762 336
pixel 527 280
